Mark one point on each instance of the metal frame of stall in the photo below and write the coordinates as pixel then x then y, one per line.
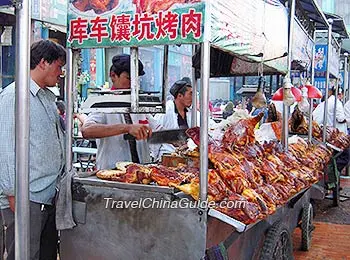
pixel 195 225
pixel 22 131
pixel 336 26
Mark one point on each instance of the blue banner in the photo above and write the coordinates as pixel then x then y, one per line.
pixel 341 79
pixel 5 2
pixel 321 58
pixel 320 83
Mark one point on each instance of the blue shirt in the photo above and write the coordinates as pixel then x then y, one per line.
pixel 46 145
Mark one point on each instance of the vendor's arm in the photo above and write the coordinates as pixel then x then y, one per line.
pixel 7 144
pixel 95 128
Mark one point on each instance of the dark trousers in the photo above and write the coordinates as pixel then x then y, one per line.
pixel 343 160
pixel 43 236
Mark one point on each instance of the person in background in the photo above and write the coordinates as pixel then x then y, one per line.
pixel 228 110
pixel 249 105
pixel 46 161
pixel 347 114
pixel 109 129
pixel 339 114
pixel 177 116
pixel 61 109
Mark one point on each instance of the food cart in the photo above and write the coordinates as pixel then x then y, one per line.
pixel 105 227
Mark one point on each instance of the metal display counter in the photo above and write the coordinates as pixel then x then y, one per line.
pixel 107 232
pixel 141 233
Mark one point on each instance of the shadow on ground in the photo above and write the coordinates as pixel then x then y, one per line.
pixel 325 212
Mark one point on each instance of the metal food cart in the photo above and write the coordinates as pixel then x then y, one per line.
pixel 105 232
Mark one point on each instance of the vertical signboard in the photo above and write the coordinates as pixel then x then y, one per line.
pixel 320 83
pixel 320 64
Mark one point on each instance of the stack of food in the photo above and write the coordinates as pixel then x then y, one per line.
pixel 261 177
pixel 337 138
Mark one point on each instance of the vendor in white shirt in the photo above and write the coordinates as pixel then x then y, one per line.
pixel 339 114
pixel 177 116
pixel 347 114
pixel 109 129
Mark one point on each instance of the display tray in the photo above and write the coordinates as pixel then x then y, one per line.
pixel 94 181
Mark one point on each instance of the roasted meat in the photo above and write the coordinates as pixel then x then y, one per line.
pixel 237 207
pixel 99 6
pixel 252 196
pixel 298 123
pixel 165 176
pixel 135 173
pixel 337 138
pixel 217 189
pixel 272 114
pixel 222 160
pixel 241 133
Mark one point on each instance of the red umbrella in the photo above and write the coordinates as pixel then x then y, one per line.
pixel 278 96
pixel 312 91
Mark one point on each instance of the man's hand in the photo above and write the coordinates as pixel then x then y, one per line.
pixel 140 131
pixel 12 200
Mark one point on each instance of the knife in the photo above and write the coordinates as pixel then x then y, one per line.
pixel 165 136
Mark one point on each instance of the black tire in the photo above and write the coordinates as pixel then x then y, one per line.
pixel 306 227
pixel 277 244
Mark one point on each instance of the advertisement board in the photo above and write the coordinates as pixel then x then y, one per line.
pixel 320 64
pixel 320 83
pixel 50 11
pixel 134 23
pixel 321 61
pixel 302 44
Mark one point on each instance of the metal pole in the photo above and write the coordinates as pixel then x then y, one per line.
pixel 194 92
pixel 346 87
pixel 22 213
pixel 134 77
pixel 205 74
pixel 313 61
pixel 165 74
pixel 336 94
pixel 309 136
pixel 346 77
pixel 290 43
pixel 335 102
pixel 325 110
pixel 69 83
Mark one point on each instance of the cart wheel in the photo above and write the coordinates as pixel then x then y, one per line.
pixel 306 227
pixel 336 195
pixel 277 244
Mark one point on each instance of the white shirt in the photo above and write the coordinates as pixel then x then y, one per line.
pixel 347 112
pixel 115 149
pixel 339 114
pixel 167 121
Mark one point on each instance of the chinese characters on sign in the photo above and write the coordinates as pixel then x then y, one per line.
pixel 137 28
